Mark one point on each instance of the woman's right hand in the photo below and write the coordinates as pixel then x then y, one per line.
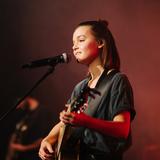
pixel 46 151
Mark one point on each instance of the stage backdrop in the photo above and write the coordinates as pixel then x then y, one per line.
pixel 35 29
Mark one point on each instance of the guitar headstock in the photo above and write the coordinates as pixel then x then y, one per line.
pixel 83 96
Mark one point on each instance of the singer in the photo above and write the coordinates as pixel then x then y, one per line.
pixel 101 126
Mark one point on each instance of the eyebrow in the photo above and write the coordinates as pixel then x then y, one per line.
pixel 81 36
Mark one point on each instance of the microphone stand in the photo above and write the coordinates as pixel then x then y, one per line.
pixel 49 71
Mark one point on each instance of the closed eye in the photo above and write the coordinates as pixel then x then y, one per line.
pixel 81 40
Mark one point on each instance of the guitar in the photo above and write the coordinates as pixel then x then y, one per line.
pixel 76 104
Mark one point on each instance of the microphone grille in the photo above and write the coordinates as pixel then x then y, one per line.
pixel 66 57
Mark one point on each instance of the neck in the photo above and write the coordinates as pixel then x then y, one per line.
pixel 96 68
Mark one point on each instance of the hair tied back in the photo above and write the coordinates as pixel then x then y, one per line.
pixel 103 22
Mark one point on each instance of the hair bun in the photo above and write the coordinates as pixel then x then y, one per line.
pixel 103 22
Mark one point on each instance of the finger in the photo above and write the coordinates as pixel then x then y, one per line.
pixel 67 105
pixel 44 151
pixel 63 115
pixel 41 156
pixel 66 117
pixel 47 151
pixel 49 148
pixel 45 156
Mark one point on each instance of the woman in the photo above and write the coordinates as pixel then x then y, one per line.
pixel 105 133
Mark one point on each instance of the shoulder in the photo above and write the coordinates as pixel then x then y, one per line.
pixel 120 76
pixel 121 82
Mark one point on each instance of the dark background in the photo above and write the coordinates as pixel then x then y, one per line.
pixel 34 29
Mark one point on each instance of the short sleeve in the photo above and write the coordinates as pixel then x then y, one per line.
pixel 122 96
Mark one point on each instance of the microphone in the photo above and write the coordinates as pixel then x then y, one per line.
pixel 51 61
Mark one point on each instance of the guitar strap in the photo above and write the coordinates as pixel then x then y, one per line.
pixel 103 86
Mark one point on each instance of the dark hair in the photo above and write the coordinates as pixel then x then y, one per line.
pixel 109 55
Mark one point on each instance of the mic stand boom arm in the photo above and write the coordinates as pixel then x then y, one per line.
pixel 49 71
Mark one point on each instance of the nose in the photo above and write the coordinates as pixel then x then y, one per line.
pixel 74 47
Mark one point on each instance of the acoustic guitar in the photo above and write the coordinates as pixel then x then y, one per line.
pixel 77 104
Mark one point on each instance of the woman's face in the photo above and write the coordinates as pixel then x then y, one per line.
pixel 85 46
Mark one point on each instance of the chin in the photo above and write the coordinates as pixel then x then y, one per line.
pixel 84 62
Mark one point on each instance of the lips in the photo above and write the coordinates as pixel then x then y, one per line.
pixel 77 53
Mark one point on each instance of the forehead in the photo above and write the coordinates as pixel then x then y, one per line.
pixel 82 31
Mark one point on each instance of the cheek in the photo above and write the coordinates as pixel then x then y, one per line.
pixel 92 49
pixel 90 52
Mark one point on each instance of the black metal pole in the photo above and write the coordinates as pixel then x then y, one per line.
pixel 49 71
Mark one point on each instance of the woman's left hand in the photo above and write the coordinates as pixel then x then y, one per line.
pixel 67 117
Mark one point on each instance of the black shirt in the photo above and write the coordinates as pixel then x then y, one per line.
pixel 117 98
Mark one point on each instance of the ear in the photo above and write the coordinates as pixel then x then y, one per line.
pixel 100 43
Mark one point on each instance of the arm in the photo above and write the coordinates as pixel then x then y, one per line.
pixel 119 127
pixel 53 134
pixel 46 151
